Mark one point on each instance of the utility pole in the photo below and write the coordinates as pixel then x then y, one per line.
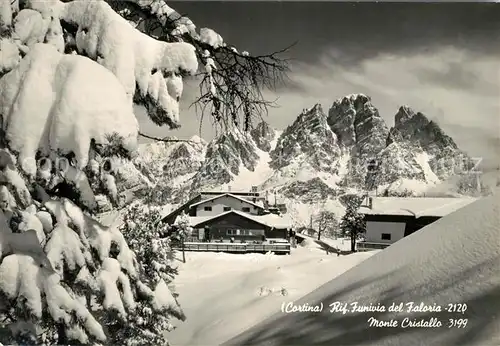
pixel 181 233
pixel 183 251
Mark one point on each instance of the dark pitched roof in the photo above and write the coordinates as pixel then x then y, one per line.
pixel 226 194
pixel 179 209
pixel 273 221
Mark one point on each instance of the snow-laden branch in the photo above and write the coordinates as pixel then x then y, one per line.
pixel 135 58
pixel 71 108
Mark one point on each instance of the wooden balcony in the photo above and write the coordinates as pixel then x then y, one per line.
pixel 235 247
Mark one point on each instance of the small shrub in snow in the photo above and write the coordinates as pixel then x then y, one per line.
pixel 353 224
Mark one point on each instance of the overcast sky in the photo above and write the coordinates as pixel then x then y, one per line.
pixel 440 59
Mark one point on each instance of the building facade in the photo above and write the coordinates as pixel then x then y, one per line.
pixel 235 226
pixel 220 204
pixel 389 219
pixel 230 217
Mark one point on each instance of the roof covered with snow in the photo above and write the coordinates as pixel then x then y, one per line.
pixel 457 260
pixel 270 220
pixel 415 206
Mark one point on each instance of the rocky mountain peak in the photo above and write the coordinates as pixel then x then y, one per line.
pixel 404 113
pixel 308 139
pixel 417 128
pixel 224 156
pixel 263 135
pixel 361 131
pixel 317 157
pixel 184 158
pixel 419 133
pixel 356 122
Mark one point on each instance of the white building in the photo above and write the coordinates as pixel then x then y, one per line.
pixel 234 217
pixel 389 219
pixel 223 203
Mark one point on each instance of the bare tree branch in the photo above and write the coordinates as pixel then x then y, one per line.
pixel 232 92
pixel 166 139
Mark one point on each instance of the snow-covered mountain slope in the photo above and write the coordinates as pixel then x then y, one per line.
pixel 319 157
pixel 263 135
pixel 224 157
pixel 171 165
pixel 308 141
pixel 424 136
pixel 453 263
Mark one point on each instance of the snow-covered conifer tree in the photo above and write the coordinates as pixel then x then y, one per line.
pixel 70 73
pixel 143 231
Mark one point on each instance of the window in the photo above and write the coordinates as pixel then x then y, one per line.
pixel 386 236
pixel 245 209
pixel 231 232
pixel 227 208
pixel 207 208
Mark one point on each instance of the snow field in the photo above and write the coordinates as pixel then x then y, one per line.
pixel 454 260
pixel 223 294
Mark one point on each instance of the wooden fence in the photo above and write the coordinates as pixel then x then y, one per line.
pixel 368 246
pixel 234 247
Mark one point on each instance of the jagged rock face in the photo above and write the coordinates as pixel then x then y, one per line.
pixel 449 162
pixel 263 135
pixel 223 159
pixel 360 131
pixel 417 131
pixel 357 124
pixel 310 140
pixel 398 161
pixel 310 191
pixel 171 165
pixel 416 128
pixel 185 158
pixel 152 157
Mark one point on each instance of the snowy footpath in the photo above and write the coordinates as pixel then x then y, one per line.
pixel 224 294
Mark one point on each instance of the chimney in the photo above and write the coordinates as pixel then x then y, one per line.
pixel 229 188
pixel 370 202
